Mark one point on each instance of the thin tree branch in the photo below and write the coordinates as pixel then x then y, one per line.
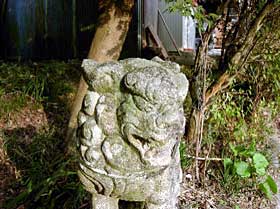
pixel 205 158
pixel 255 27
pixel 239 58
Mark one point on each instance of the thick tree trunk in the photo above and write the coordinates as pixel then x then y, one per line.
pixel 106 45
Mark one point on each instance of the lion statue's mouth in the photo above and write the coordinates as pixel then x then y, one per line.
pixel 154 150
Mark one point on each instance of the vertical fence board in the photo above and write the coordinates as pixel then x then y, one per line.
pixel 59 24
pixel 37 29
pixel 87 13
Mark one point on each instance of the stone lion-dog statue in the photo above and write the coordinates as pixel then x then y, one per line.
pixel 129 130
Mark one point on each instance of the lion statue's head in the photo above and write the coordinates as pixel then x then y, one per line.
pixel 132 116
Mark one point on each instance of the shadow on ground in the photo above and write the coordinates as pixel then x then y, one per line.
pixel 37 172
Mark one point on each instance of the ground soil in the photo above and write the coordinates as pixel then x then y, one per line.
pixel 29 116
pixel 212 195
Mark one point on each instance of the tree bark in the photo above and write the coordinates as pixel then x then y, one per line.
pixel 106 45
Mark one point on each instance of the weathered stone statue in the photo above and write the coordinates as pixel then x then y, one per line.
pixel 129 130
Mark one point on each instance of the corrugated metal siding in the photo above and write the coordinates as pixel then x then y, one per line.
pixel 174 22
pixel 51 29
pixel 59 33
pixel 18 27
pixel 151 13
pixel 86 14
pixel 37 29
pixel 41 28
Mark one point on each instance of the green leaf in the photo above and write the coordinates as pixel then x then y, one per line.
pixel 227 162
pixel 252 149
pixel 242 169
pixel 233 149
pixel 272 184
pixel 29 186
pixel 17 200
pixel 260 171
pixel 264 187
pixel 260 163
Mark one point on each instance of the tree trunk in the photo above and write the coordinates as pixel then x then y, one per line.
pixel 106 45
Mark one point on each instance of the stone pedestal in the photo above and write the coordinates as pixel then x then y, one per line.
pixel 129 132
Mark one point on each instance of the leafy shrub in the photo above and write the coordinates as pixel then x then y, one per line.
pixel 248 163
pixel 243 116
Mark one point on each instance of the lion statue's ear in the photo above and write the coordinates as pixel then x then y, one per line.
pixel 175 67
pixel 89 66
pixel 182 86
pixel 181 80
pixel 103 77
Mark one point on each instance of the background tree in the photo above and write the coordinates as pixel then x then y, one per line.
pixel 113 24
pixel 240 38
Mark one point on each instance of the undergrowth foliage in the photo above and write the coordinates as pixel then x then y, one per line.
pixel 40 81
pixel 47 175
pixel 236 99
pixel 240 123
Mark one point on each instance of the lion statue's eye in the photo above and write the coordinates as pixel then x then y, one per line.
pixel 143 104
